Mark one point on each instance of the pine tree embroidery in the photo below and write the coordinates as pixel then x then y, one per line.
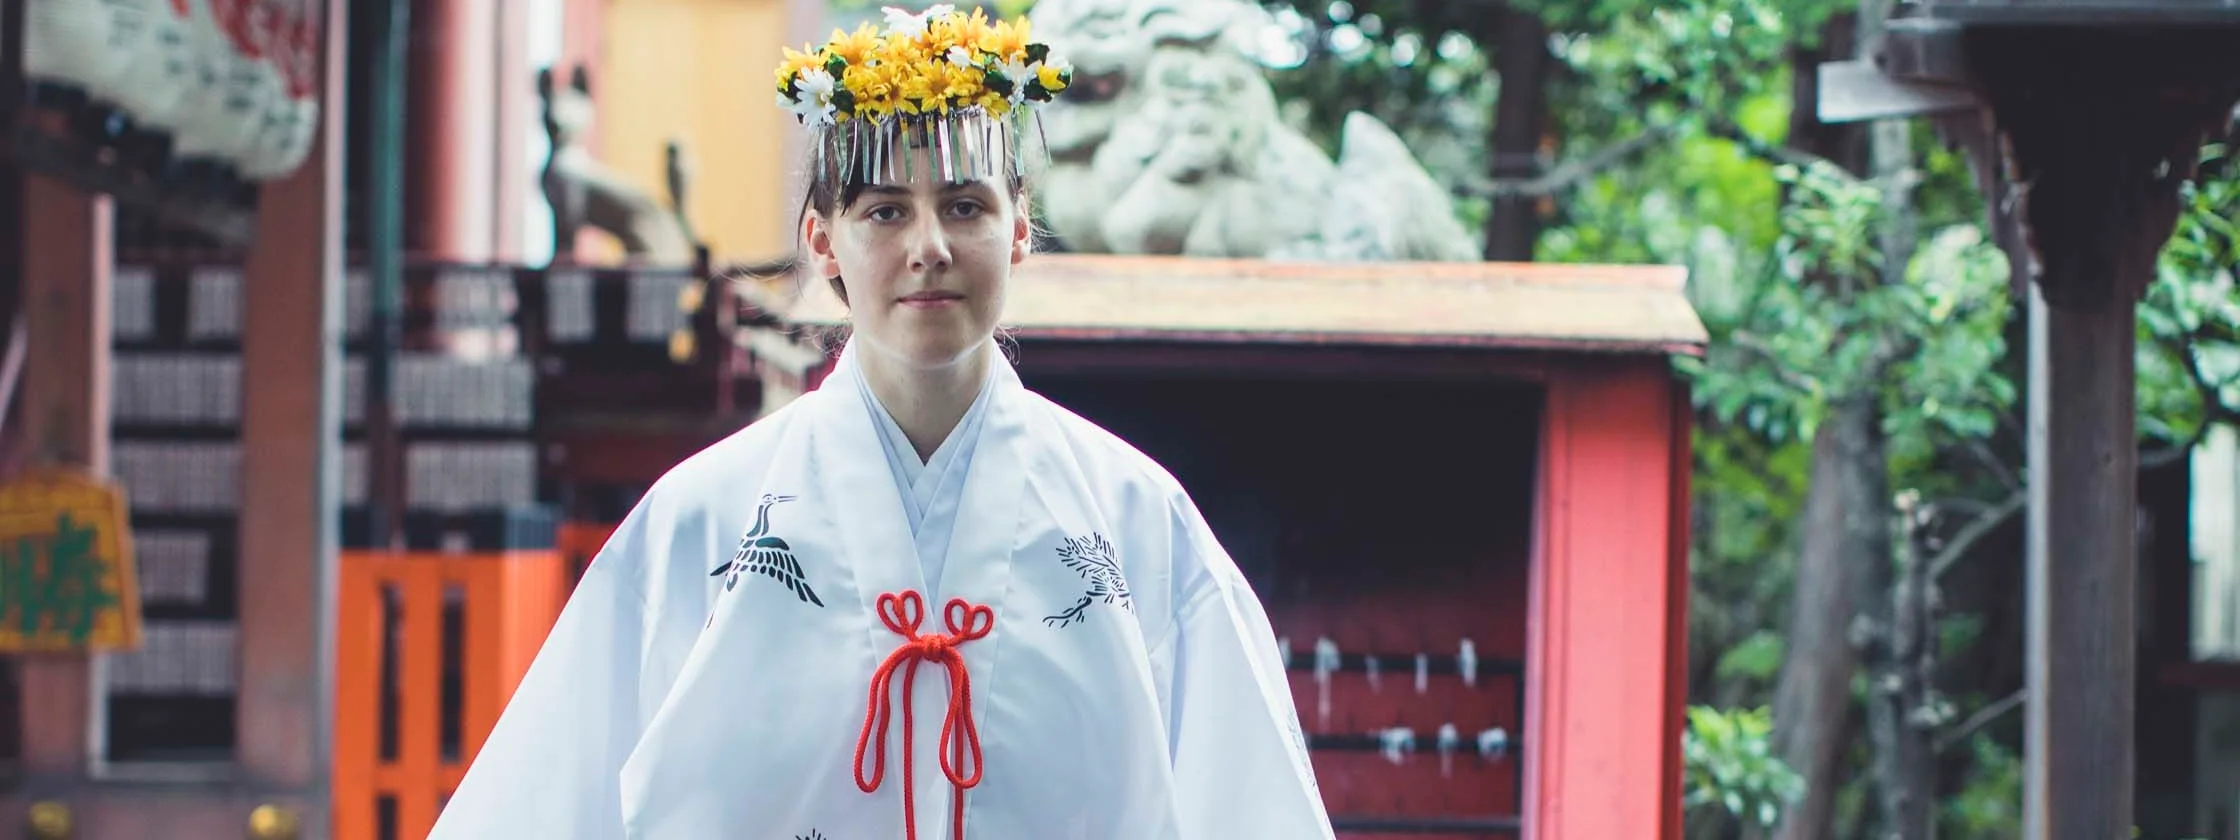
pixel 1092 557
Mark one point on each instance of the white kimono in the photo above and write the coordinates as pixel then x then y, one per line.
pixel 713 675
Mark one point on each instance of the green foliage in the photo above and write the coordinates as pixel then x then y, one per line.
pixel 1757 657
pixel 1833 324
pixel 1988 805
pixel 2189 321
pixel 1423 74
pixel 1730 767
pixel 1685 61
pixel 1748 492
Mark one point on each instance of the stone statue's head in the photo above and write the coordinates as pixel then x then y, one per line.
pixel 1209 110
pixel 567 108
pixel 1111 43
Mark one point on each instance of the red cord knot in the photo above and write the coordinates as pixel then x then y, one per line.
pixel 960 738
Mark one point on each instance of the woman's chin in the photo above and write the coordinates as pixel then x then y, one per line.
pixel 938 348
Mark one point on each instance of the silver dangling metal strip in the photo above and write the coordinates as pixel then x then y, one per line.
pixel 816 155
pixel 1011 137
pixel 976 154
pixel 948 166
pixel 884 156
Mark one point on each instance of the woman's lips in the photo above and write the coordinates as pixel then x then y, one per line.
pixel 931 300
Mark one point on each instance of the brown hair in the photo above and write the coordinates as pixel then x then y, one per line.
pixel 831 190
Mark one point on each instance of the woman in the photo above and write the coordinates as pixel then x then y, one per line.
pixel 1094 666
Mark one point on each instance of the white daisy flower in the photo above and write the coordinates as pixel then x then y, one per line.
pixel 1019 73
pixel 815 105
pixel 902 22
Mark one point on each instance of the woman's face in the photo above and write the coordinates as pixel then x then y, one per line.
pixel 925 263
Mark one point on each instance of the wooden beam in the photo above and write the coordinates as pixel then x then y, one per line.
pixel 68 243
pixel 291 432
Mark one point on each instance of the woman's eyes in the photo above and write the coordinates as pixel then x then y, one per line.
pixel 961 209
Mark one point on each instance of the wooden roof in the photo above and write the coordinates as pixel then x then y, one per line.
pixel 1637 309
pixel 2079 12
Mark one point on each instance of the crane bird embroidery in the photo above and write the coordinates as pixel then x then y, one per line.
pixel 1092 558
pixel 761 553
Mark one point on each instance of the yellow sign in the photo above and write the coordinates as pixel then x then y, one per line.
pixel 67 580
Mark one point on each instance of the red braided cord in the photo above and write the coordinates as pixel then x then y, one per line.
pixel 903 614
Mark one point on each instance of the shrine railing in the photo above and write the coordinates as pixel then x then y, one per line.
pixel 430 645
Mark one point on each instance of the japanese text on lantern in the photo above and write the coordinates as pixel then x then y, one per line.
pixel 67 580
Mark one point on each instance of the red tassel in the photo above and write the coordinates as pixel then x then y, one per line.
pixel 903 614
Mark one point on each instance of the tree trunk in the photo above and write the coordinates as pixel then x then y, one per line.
pixel 1900 645
pixel 1520 118
pixel 1812 707
pixel 1846 532
pixel 1900 654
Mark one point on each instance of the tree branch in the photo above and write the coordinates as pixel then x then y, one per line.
pixel 1983 717
pixel 1998 468
pixel 1727 130
pixel 1563 177
pixel 1742 340
pixel 1975 531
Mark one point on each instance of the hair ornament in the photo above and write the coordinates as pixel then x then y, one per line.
pixel 952 83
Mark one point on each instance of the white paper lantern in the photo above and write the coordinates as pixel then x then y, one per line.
pixel 291 116
pixel 228 113
pixel 163 69
pixel 66 43
pixel 305 95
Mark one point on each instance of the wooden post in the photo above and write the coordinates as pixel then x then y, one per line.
pixel 67 253
pixel 2103 148
pixel 1603 677
pixel 2083 570
pixel 291 431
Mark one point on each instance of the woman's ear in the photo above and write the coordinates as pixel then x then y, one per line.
pixel 816 236
pixel 1022 231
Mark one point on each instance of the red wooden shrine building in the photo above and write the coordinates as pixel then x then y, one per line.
pixel 1460 489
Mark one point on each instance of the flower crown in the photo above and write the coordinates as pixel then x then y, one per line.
pixel 958 83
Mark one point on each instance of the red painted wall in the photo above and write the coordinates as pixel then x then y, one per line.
pixel 1391 518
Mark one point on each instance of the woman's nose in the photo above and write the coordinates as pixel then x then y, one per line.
pixel 930 253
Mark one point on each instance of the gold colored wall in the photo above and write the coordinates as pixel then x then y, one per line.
pixel 700 70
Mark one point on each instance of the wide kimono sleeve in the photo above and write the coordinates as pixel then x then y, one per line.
pixel 551 768
pixel 1240 759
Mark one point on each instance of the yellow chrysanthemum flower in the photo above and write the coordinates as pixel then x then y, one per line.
pixel 867 84
pixel 1007 40
pixel 856 48
pixel 795 62
pixel 966 31
pixel 1052 79
pixel 916 88
pixel 962 84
